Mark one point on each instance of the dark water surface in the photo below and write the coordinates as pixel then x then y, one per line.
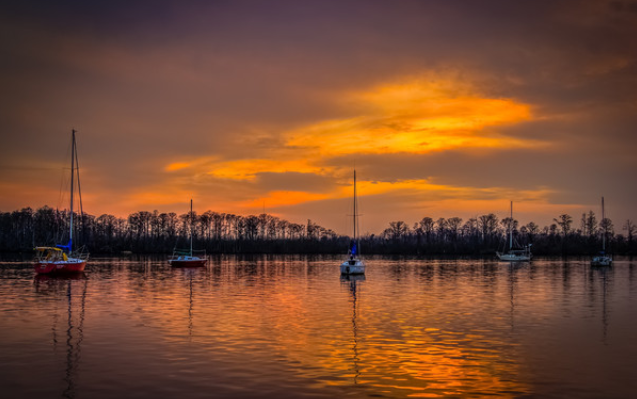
pixel 290 327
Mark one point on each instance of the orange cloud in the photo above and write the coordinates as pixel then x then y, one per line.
pixel 431 190
pixel 246 169
pixel 177 166
pixel 418 117
pixel 141 199
pixel 280 198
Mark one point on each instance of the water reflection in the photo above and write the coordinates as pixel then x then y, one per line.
pixel 352 281
pixel 289 326
pixel 513 268
pixel 65 285
pixel 602 276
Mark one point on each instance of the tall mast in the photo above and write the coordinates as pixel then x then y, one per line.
pixel 511 228
pixel 604 232
pixel 72 180
pixel 191 227
pixel 354 204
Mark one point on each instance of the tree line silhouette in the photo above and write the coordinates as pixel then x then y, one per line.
pixel 154 232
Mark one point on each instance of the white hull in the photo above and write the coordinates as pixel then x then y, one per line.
pixel 355 266
pixel 601 261
pixel 514 257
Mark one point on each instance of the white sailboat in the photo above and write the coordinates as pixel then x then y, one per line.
pixel 354 265
pixel 602 259
pixel 186 258
pixel 515 254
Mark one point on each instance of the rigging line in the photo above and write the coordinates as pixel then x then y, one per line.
pixel 79 189
pixel 62 192
pixel 63 180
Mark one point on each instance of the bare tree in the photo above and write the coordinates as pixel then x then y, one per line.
pixel 488 225
pixel 630 230
pixel 453 226
pixel 398 229
pixel 564 221
pixel 589 223
pixel 426 225
pixel 531 230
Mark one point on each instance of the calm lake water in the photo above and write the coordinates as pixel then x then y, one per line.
pixel 290 327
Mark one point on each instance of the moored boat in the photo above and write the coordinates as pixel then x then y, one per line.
pixel 515 253
pixel 354 265
pixel 55 260
pixel 62 258
pixel 602 259
pixel 187 258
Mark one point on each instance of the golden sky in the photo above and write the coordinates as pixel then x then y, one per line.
pixel 444 109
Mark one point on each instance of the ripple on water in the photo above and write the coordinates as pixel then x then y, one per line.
pixel 292 327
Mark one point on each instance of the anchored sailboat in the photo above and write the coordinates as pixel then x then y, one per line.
pixel 62 258
pixel 602 259
pixel 517 253
pixel 186 258
pixel 354 265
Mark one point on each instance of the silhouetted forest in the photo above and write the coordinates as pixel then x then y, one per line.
pixel 154 232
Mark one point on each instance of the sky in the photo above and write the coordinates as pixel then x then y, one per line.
pixel 444 108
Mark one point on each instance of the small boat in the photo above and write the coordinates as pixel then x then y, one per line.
pixel 62 258
pixel 515 253
pixel 354 265
pixel 186 258
pixel 602 259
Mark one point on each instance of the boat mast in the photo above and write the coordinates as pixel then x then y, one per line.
pixel 604 232
pixel 354 205
pixel 191 227
pixel 511 228
pixel 72 179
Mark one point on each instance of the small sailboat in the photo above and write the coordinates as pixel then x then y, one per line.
pixel 62 258
pixel 186 258
pixel 515 253
pixel 602 259
pixel 354 265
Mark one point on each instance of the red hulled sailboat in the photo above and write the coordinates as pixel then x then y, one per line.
pixel 62 258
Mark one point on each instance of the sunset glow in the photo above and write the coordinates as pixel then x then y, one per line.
pixel 445 113
pixel 247 169
pixel 318 199
pixel 416 119
pixel 279 198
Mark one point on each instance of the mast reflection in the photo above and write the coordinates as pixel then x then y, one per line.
pixel 605 275
pixel 354 282
pixel 190 272
pixel 55 285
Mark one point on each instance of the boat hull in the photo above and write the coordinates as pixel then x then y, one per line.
pixel 60 267
pixel 601 261
pixel 187 262
pixel 355 266
pixel 513 257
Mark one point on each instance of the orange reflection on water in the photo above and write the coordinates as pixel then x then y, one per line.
pixel 353 337
pixel 259 325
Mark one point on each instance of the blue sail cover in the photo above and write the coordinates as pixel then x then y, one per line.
pixel 353 248
pixel 66 247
